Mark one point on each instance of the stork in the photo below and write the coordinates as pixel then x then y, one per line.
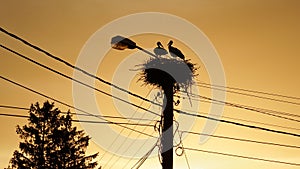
pixel 174 51
pixel 160 50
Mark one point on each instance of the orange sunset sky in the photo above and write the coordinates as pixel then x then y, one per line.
pixel 257 43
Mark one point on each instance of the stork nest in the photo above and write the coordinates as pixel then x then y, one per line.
pixel 163 72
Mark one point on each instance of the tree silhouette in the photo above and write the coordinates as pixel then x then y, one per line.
pixel 50 141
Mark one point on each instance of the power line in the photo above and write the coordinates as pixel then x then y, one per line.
pixel 79 114
pixel 124 90
pixel 258 110
pixel 181 142
pixel 243 120
pixel 120 145
pixel 250 95
pixel 196 97
pixel 14 107
pixel 106 82
pixel 131 158
pixel 223 137
pixel 182 112
pixel 70 65
pixel 65 104
pixel 13 115
pixel 160 105
pixel 240 139
pixel 178 111
pixel 141 161
pixel 18 54
pixel 241 156
pixel 83 121
pixel 129 134
pixel 238 106
pixel 112 122
pixel 251 91
pixel 238 124
pixel 70 78
pixel 139 148
pixel 187 161
pixel 251 109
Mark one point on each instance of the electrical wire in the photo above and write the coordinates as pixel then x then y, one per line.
pixel 251 91
pixel 240 139
pixel 248 108
pixel 239 124
pixel 83 121
pixel 75 68
pixel 75 80
pixel 176 110
pixel 156 98
pixel 65 104
pixel 80 114
pixel 218 102
pixel 250 95
pixel 101 80
pixel 243 120
pixel 131 158
pixel 119 134
pixel 117 87
pixel 241 156
pixel 181 143
pixel 159 138
pixel 70 65
pixel 141 161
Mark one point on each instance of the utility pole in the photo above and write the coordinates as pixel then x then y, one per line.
pixel 153 74
pixel 167 127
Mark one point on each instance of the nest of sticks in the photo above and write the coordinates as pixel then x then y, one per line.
pixel 163 72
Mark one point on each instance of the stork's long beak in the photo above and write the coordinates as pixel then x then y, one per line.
pixel 169 43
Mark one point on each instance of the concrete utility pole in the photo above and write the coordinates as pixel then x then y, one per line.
pixel 167 128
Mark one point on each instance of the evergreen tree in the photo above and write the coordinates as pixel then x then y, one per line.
pixel 50 141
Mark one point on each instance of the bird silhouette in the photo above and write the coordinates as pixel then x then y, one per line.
pixel 174 51
pixel 160 50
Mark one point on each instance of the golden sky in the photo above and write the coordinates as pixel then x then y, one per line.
pixel 257 42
